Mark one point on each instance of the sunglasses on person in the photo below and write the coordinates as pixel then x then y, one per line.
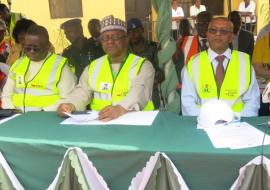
pixel 30 48
pixel 221 31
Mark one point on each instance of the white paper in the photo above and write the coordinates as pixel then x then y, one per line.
pixel 89 116
pixel 236 136
pixel 130 118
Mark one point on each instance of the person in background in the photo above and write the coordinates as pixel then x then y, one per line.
pixel 220 73
pixel 189 45
pixel 18 34
pixel 261 64
pixel 115 83
pixel 243 40
pixel 40 79
pixel 148 49
pixel 247 12
pixel 80 52
pixel 10 19
pixel 196 8
pixel 94 30
pixel 184 29
pixel 177 15
pixel 5 43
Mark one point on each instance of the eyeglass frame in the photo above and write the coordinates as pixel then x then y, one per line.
pixel 219 30
pixel 30 48
pixel 112 37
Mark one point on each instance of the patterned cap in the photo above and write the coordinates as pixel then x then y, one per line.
pixel 111 23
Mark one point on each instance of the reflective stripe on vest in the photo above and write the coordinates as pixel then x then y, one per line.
pixel 190 47
pixel 236 81
pixel 42 90
pixel 108 91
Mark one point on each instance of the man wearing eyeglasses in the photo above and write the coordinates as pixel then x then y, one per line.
pixel 115 83
pixel 220 73
pixel 40 79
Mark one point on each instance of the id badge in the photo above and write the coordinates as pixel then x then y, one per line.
pixel 106 86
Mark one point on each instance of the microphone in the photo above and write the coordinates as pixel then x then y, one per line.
pixel 266 94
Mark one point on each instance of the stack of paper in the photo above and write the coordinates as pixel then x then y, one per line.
pixel 130 118
pixel 238 136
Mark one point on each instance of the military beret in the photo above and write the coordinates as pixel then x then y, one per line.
pixel 71 23
pixel 134 23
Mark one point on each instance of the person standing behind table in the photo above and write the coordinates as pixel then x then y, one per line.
pixel 10 19
pixel 94 30
pixel 261 64
pixel 40 79
pixel 188 46
pixel 79 53
pixel 177 15
pixel 196 8
pixel 220 73
pixel 148 49
pixel 247 11
pixel 115 83
pixel 243 40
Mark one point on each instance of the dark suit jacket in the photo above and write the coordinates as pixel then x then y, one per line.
pixel 246 42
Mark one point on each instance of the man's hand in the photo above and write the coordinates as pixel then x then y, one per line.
pixel 65 107
pixel 111 112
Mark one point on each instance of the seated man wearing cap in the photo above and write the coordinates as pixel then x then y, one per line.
pixel 39 79
pixel 148 49
pixel 80 53
pixel 220 73
pixel 115 83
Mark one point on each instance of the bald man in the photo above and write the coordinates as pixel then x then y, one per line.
pixel 220 73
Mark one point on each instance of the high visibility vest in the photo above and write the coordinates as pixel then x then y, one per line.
pixel 109 91
pixel 42 90
pixel 236 81
pixel 190 47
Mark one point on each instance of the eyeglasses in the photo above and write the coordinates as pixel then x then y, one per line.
pixel 29 48
pixel 221 31
pixel 112 37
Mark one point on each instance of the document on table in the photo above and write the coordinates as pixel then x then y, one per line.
pixel 130 118
pixel 238 136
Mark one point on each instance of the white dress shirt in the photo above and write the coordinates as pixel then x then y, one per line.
pixel 177 13
pixel 190 98
pixel 250 8
pixel 194 10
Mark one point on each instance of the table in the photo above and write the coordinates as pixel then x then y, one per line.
pixel 34 145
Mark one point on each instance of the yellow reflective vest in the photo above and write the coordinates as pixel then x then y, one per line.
pixel 107 90
pixel 42 90
pixel 236 81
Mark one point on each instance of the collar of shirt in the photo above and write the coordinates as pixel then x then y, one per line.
pixel 212 55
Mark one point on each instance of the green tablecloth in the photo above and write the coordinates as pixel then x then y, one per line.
pixel 34 145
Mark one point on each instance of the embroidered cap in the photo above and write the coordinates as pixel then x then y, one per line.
pixel 3 25
pixel 111 23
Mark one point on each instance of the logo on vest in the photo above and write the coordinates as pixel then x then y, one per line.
pixel 231 92
pixel 36 86
pixel 121 93
pixel 106 86
pixel 206 88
